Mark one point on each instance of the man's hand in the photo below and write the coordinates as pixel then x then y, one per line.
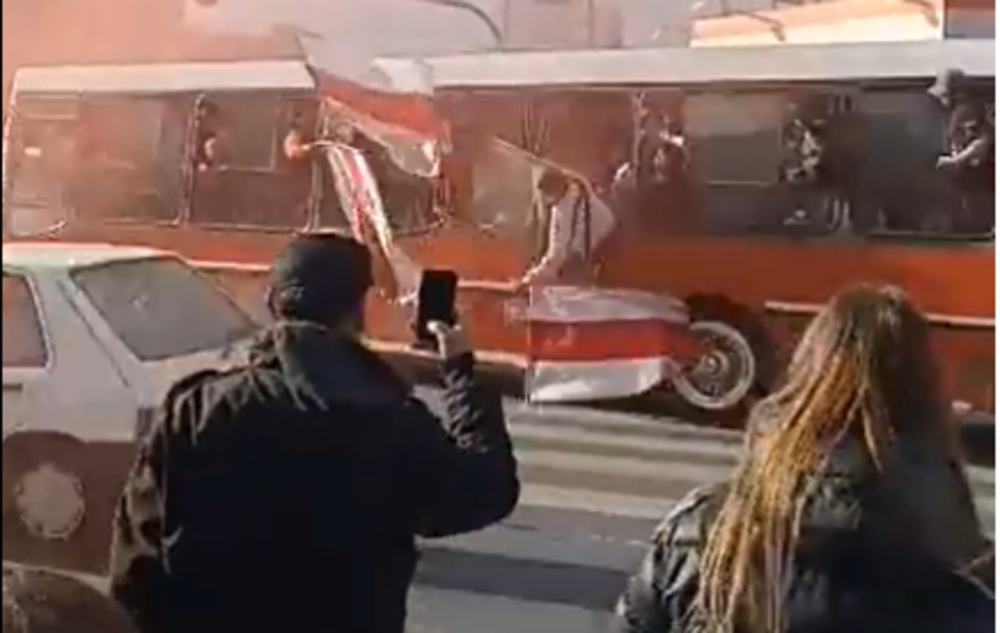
pixel 452 340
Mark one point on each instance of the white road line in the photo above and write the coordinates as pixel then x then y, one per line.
pixel 667 471
pixel 545 496
pixel 596 439
pixel 982 475
pixel 665 426
pixel 986 504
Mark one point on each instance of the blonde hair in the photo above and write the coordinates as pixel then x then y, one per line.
pixel 864 369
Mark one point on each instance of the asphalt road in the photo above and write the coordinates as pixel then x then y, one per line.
pixel 596 484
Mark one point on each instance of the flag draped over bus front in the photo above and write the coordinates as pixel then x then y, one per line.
pixel 592 343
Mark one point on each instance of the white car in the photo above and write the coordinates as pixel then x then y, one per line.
pixel 93 336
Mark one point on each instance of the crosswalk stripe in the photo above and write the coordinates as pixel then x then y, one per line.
pixel 623 467
pixel 546 496
pixel 629 469
pixel 600 439
pixel 620 423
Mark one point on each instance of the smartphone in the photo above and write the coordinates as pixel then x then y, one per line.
pixel 435 302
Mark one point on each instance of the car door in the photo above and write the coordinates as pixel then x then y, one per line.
pixel 69 429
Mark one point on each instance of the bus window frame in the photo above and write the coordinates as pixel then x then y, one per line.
pixel 783 93
pixel 895 236
pixel 87 101
pixel 277 100
pixel 284 101
pixel 21 113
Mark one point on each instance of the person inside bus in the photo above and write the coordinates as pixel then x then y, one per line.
pixel 657 174
pixel 970 161
pixel 570 221
pixel 661 151
pixel 851 510
pixel 298 144
pixel 808 172
pixel 207 135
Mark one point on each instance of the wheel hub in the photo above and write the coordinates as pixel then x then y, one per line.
pixel 723 376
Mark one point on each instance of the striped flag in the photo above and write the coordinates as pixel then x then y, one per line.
pixel 583 343
pixel 396 274
pixel 591 343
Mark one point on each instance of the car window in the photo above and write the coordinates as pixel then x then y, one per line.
pixel 23 337
pixel 162 307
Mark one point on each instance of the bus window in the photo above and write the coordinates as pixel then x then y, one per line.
pixel 737 149
pixel 651 185
pixel 40 164
pixel 239 180
pixel 248 131
pixel 905 134
pixel 129 160
pixel 404 179
pixel 503 179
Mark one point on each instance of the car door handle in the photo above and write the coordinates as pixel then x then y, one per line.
pixel 13 387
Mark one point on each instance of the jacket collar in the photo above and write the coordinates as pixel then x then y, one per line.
pixel 327 368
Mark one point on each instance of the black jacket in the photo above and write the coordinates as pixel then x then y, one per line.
pixel 286 495
pixel 850 573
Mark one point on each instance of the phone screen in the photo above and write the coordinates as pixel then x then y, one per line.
pixel 435 301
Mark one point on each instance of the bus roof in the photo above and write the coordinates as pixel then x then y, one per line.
pixel 685 66
pixel 164 78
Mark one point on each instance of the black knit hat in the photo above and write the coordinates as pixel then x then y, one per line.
pixel 320 277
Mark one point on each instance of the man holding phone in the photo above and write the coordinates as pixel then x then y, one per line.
pixel 286 494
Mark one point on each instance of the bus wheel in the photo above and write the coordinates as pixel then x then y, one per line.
pixel 722 378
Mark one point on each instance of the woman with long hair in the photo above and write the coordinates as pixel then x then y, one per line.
pixel 851 510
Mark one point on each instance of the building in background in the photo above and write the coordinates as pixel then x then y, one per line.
pixel 831 21
pixel 563 24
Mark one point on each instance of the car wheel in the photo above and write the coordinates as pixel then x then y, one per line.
pixel 45 504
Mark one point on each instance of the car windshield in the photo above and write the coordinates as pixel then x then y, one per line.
pixel 163 308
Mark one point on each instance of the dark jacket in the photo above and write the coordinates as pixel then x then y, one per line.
pixel 285 495
pixel 851 571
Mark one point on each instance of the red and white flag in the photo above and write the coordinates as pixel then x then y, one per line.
pixel 584 342
pixel 395 273
pixel 590 343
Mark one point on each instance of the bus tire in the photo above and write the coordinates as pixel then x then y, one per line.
pixel 742 359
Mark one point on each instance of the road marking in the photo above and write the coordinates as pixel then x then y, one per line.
pixel 597 439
